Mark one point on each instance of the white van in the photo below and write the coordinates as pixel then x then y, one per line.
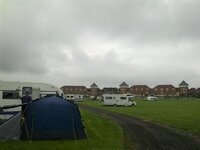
pixel 10 92
pixel 117 100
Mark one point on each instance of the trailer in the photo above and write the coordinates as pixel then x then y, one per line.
pixel 10 92
pixel 117 100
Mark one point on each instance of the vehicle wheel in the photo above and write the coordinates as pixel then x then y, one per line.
pixel 115 105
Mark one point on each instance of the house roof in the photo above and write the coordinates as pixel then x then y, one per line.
pixel 73 86
pixel 140 86
pixel 109 88
pixel 70 89
pixel 124 84
pixel 93 85
pixel 183 83
pixel 164 86
pixel 192 89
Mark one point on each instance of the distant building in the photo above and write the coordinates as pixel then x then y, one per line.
pixel 177 91
pixel 94 90
pixel 164 90
pixel 183 86
pixel 72 92
pixel 192 92
pixel 110 90
pixel 198 93
pixel 123 88
pixel 167 90
pixel 140 90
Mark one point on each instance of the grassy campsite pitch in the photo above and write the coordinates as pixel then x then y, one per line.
pixel 178 113
pixel 99 137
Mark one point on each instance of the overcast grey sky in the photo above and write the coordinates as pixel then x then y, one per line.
pixel 78 42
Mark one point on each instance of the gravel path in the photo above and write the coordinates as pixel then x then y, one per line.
pixel 147 135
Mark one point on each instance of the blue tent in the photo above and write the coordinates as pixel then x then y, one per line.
pixel 52 118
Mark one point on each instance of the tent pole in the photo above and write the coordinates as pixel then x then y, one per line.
pixel 73 125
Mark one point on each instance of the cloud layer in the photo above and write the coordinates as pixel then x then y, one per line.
pixel 80 42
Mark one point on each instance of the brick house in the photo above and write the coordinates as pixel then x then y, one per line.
pixel 164 90
pixel 140 90
pixel 110 90
pixel 198 92
pixel 192 92
pixel 71 92
pixel 74 90
pixel 177 91
pixel 136 90
pixel 123 88
pixel 94 90
pixel 183 87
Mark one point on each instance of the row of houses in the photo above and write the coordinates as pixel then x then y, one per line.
pixel 167 90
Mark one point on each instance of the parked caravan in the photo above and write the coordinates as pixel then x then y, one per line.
pixel 10 92
pixel 117 100
pixel 74 97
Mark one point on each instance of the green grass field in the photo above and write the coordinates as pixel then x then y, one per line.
pixel 183 114
pixel 104 134
pixel 99 137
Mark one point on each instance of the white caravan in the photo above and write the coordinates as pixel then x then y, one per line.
pixel 74 97
pixel 117 100
pixel 10 92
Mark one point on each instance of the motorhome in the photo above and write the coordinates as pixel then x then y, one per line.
pixel 117 100
pixel 152 98
pixel 10 92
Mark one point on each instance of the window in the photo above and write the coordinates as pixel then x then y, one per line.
pixel 108 97
pixel 123 98
pixel 48 95
pixel 10 95
pixel 26 90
